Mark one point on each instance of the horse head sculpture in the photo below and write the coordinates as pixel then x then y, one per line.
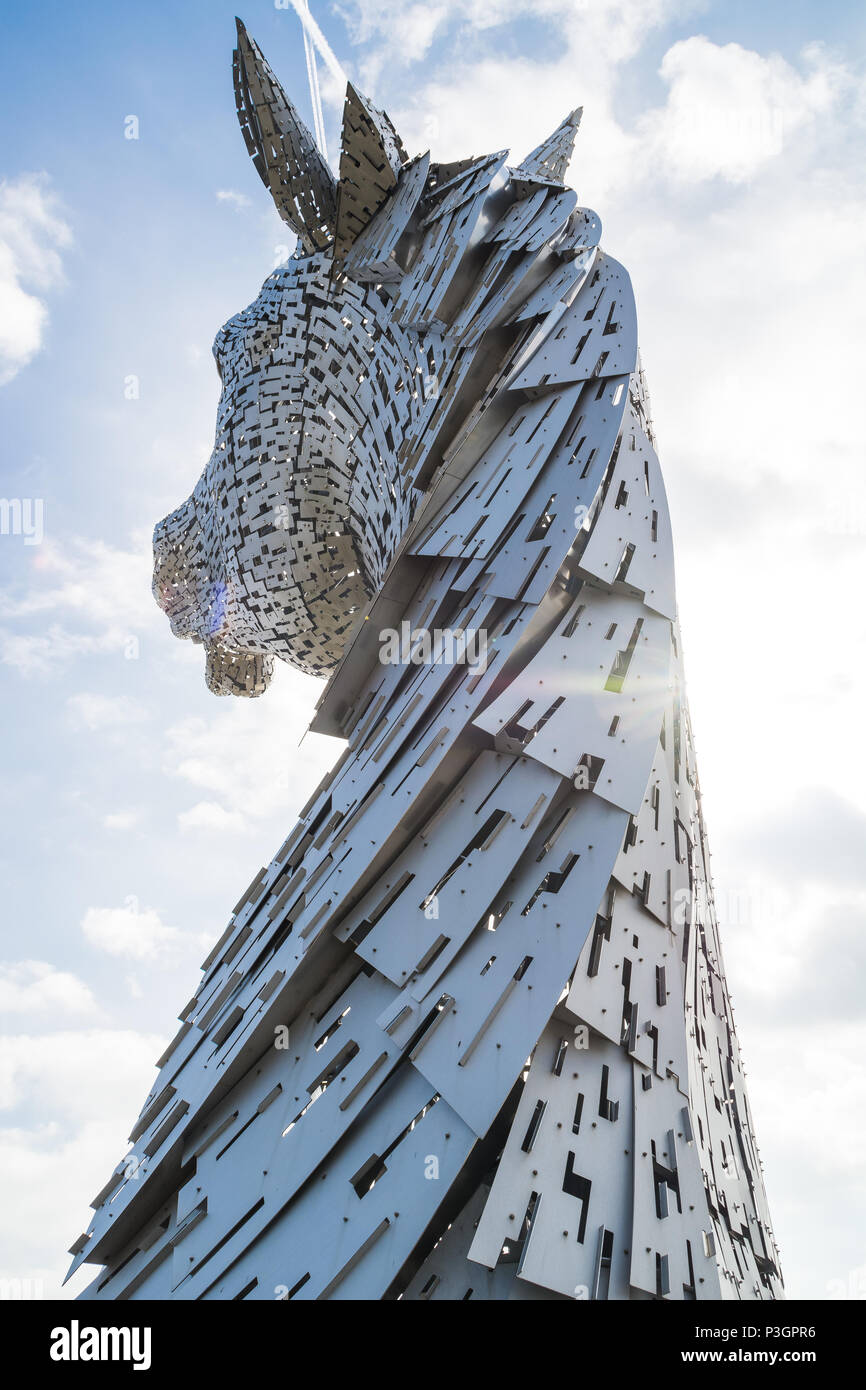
pixel 491 933
pixel 344 380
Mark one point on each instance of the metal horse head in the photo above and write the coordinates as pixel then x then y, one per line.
pixel 412 291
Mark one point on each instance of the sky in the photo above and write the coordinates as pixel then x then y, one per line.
pixel 723 147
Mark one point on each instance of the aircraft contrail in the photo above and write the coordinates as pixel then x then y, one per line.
pixel 302 10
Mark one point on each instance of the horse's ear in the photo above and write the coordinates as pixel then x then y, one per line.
pixel 282 149
pixel 371 158
pixel 549 161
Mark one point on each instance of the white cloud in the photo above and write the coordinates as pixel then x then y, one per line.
pixel 248 755
pixel 730 111
pixel 136 933
pixel 54 1172
pixel 238 201
pixel 59 1072
pixel 99 712
pixel 210 815
pixel 411 27
pixel 82 575
pixel 121 820
pixel 86 1087
pixel 36 987
pixel 32 234
pixel 489 93
pixel 83 596
pixel 612 30
pixel 807 1091
pixel 33 654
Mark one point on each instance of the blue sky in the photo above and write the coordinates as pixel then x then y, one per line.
pixel 723 146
